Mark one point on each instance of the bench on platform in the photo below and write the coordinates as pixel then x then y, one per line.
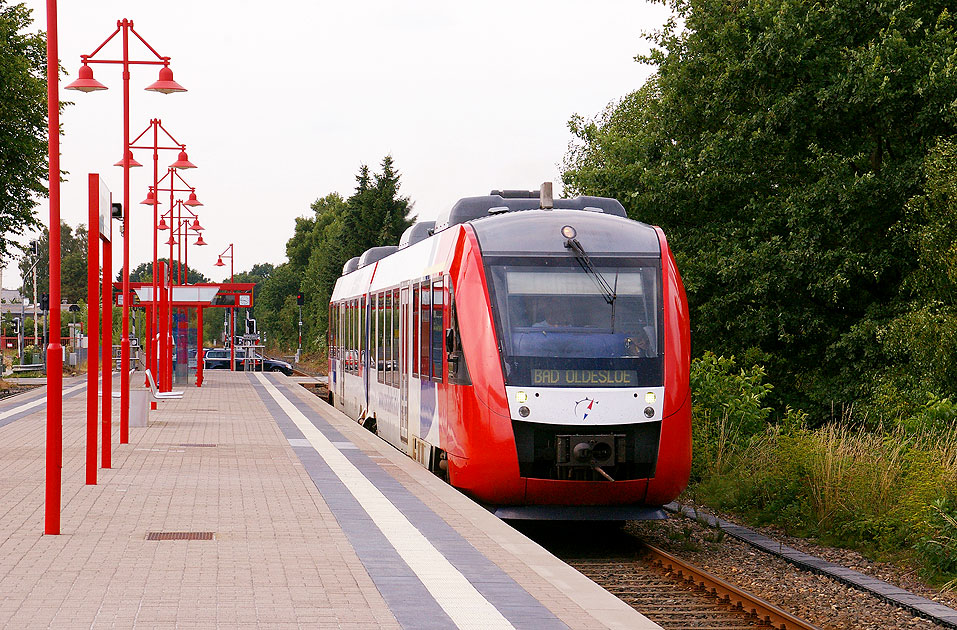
pixel 158 395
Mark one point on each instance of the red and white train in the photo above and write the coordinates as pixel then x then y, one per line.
pixel 538 357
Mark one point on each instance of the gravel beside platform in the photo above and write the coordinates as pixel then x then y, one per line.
pixel 816 598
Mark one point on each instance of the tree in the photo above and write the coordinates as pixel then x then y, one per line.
pixel 73 271
pixel 922 340
pixel 321 244
pixel 23 122
pixel 778 145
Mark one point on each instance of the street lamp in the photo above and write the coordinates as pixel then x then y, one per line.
pixel 86 83
pixel 191 201
pixel 180 227
pixel 232 309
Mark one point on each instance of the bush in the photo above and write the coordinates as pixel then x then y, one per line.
pixel 883 494
pixel 727 410
pixel 939 549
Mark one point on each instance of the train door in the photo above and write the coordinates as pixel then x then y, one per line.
pixel 340 380
pixel 404 365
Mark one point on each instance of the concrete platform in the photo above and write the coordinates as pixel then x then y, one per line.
pixel 273 510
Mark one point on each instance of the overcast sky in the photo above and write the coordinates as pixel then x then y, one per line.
pixel 287 99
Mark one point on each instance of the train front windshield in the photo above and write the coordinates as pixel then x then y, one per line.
pixel 561 325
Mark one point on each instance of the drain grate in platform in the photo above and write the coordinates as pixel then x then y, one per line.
pixel 179 535
pixel 198 445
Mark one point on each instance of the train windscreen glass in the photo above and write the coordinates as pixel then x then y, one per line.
pixel 560 327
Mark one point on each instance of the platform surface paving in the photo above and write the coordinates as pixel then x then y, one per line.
pixel 300 519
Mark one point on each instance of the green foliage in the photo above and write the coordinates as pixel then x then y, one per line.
pixel 869 491
pixel 338 230
pixel 922 340
pixel 728 409
pixel 778 145
pixel 939 548
pixel 73 271
pixel 23 122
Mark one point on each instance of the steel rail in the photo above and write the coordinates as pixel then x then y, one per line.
pixel 766 612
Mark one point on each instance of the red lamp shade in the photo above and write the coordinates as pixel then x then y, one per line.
pixel 150 199
pixel 192 201
pixel 219 262
pixel 166 84
pixel 162 224
pixel 170 241
pixel 196 227
pixel 86 82
pixel 200 241
pixel 133 162
pixel 182 161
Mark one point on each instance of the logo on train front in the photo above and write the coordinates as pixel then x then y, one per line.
pixel 584 407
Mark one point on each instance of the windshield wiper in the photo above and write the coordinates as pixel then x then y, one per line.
pixel 586 264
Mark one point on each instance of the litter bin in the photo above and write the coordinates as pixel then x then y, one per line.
pixel 139 407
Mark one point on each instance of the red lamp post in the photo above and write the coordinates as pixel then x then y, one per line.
pixel 232 309
pixel 156 125
pixel 179 227
pixel 86 83
pixel 54 438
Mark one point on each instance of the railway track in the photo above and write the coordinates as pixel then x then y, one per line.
pixel 676 595
pixel 667 590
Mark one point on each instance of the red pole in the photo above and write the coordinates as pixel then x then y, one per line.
pixel 199 346
pixel 161 322
pixel 232 315
pixel 92 327
pixel 151 357
pixel 232 338
pixel 54 437
pixel 148 339
pixel 125 339
pixel 107 360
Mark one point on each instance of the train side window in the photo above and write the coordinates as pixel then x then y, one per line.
pixel 438 331
pixel 425 319
pixel 355 336
pixel 374 347
pixel 350 363
pixel 415 330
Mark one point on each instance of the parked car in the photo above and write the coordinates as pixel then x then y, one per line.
pixel 218 359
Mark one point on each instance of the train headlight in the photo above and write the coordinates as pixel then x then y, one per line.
pixel 569 232
pixel 521 397
pixel 523 411
pixel 649 412
pixel 650 398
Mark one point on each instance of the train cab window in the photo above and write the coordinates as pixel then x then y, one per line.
pixel 425 328
pixel 458 369
pixel 438 331
pixel 558 325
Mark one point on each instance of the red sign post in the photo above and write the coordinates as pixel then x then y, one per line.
pixel 101 231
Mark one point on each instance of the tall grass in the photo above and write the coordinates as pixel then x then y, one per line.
pixel 887 492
